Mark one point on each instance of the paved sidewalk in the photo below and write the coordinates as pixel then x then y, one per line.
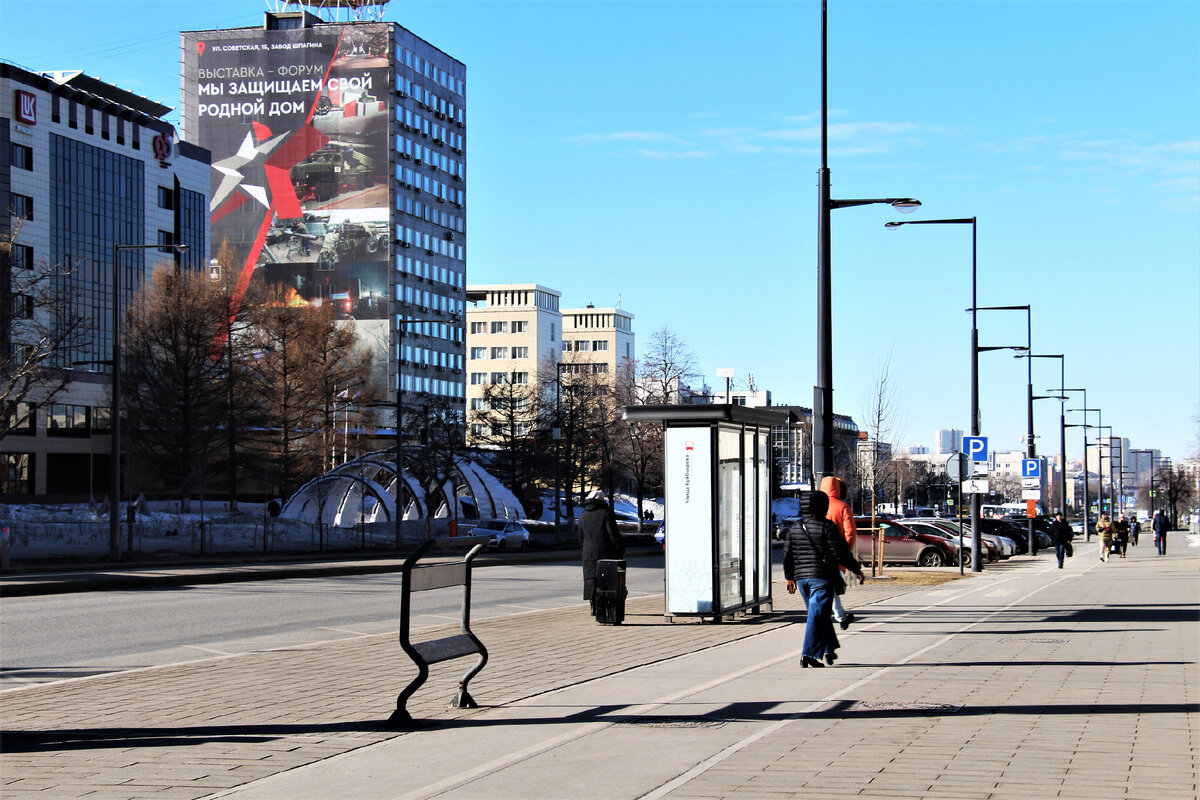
pixel 1022 682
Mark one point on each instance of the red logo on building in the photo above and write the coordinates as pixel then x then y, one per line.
pixel 26 105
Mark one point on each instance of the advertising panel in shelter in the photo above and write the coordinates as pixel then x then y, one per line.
pixel 297 123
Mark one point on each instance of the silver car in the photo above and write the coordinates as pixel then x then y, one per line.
pixel 504 533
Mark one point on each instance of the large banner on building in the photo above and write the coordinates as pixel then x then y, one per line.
pixel 297 123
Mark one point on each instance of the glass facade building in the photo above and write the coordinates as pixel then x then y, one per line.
pixel 86 166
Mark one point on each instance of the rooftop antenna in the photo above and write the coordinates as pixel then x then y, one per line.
pixel 336 10
pixel 618 301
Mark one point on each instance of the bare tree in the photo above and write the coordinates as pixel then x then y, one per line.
pixel 505 430
pixel 442 443
pixel 583 406
pixel 639 444
pixel 174 372
pixel 875 459
pixel 38 328
pixel 666 367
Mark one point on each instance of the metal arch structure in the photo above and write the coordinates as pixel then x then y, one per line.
pixel 335 10
pixel 358 491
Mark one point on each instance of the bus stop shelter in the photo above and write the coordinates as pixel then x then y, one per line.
pixel 716 461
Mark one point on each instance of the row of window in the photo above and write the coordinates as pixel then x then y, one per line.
pixel 584 345
pixel 434 330
pixel 499 403
pixel 62 419
pixel 430 70
pixel 423 356
pixel 408 149
pixel 439 386
pixel 499 352
pixel 500 326
pixel 586 320
pixel 499 378
pixel 430 243
pixel 430 272
pixel 89 121
pixel 411 179
pixel 430 213
pixel 584 369
pixel 484 429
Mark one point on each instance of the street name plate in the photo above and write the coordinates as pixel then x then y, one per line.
pixel 1031 494
pixel 975 486
pixel 1031 483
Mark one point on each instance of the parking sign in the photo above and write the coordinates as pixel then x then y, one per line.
pixel 976 447
pixel 1031 468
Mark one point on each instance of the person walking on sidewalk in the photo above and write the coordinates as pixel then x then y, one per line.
pixel 1160 526
pixel 598 538
pixel 1121 535
pixel 843 518
pixel 813 553
pixel 1135 529
pixel 1104 528
pixel 1061 535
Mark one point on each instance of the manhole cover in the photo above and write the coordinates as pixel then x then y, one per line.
pixel 673 722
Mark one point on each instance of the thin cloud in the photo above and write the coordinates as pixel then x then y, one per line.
pixel 621 136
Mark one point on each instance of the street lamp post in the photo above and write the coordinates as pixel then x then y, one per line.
pixel 823 391
pixel 1099 475
pixel 976 545
pixel 1030 448
pixel 1107 442
pixel 114 457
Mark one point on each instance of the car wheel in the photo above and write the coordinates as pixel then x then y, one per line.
pixel 966 555
pixel 931 558
pixel 502 543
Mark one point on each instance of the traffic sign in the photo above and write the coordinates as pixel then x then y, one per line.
pixel 975 486
pixel 1031 483
pixel 1031 494
pixel 1031 468
pixel 958 468
pixel 976 447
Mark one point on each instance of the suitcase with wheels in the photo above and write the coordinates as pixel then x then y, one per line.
pixel 610 591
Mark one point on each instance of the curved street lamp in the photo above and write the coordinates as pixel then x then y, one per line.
pixel 822 445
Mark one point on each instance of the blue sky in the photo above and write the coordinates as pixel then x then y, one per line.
pixel 666 153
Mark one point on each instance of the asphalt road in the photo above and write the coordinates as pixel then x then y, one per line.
pixel 62 636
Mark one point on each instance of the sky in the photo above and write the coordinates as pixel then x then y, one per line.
pixel 663 154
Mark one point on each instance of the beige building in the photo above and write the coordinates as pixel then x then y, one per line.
pixel 514 329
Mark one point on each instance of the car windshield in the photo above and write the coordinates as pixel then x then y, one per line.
pixel 492 525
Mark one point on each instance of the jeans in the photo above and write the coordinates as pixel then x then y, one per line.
pixel 819 637
pixel 1060 550
pixel 1160 543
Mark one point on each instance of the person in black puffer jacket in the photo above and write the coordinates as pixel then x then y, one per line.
pixel 599 538
pixel 811 554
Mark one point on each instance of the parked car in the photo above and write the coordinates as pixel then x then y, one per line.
pixel 902 545
pixel 660 534
pixel 1006 547
pixel 504 533
pixel 1041 528
pixel 991 551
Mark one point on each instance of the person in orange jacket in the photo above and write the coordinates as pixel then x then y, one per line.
pixel 840 515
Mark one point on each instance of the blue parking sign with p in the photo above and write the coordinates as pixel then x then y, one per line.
pixel 1031 468
pixel 976 447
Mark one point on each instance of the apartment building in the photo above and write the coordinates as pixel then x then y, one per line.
pixel 597 341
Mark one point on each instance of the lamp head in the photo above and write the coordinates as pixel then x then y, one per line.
pixel 906 205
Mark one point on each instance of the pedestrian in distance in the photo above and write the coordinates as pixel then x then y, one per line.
pixel 843 518
pixel 1135 529
pixel 814 553
pixel 1160 526
pixel 1061 535
pixel 1104 528
pixel 1121 535
pixel 598 538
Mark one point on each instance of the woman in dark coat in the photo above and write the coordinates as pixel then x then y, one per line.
pixel 812 552
pixel 598 538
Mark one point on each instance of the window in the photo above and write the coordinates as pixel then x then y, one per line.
pixel 521 404
pixel 22 306
pixel 478 327
pixel 520 326
pixel 499 352
pixel 520 352
pixel 166 197
pixel 582 345
pixel 165 240
pixel 22 206
pixel 478 404
pixel 478 352
pixel 21 156
pixel 21 418
pixel 499 327
pixel 599 344
pixel 553 331
pixel 521 378
pixel 22 256
pixel 522 428
pixel 67 420
pixel 478 378
pixel 478 429
pixel 17 473
pixel 499 377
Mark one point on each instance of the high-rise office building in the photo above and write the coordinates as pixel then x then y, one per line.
pixel 947 440
pixel 339 171
pixel 92 180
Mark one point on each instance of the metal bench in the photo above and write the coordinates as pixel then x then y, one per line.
pixel 441 575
